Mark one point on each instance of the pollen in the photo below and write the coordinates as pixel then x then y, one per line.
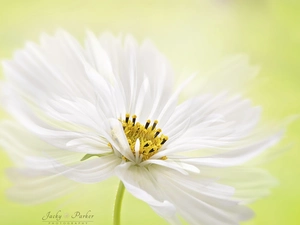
pixel 150 137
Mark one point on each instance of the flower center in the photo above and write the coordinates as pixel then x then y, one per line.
pixel 149 137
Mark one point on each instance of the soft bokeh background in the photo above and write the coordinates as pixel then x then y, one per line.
pixel 194 35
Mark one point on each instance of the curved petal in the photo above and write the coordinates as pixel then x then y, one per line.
pixel 139 182
pixel 210 111
pixel 34 187
pixel 238 156
pixel 136 67
pixel 210 122
pixel 88 171
pixel 19 144
pixel 119 140
pixel 180 166
pixel 249 183
pixel 31 153
pixel 200 201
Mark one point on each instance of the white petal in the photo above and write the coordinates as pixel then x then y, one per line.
pixel 137 181
pixel 98 55
pixel 137 150
pixel 195 204
pixel 237 156
pixel 212 121
pixel 119 140
pixel 182 167
pixel 89 171
pixel 34 187
pixel 250 183
pixel 170 105
pixel 19 144
pixel 90 145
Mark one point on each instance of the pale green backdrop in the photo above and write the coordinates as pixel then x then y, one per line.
pixel 194 35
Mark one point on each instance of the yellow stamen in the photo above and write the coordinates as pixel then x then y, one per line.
pixel 150 139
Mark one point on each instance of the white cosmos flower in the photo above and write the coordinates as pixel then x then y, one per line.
pixel 109 109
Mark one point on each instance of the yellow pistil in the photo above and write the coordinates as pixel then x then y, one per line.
pixel 150 137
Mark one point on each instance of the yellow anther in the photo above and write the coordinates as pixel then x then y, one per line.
pixel 147 124
pixel 165 138
pixel 127 117
pixel 133 119
pixel 157 132
pixel 154 124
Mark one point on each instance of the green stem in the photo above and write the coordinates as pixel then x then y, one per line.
pixel 118 204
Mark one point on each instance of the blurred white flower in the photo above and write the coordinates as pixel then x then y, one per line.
pixel 109 109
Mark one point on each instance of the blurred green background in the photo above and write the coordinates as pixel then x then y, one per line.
pixel 193 35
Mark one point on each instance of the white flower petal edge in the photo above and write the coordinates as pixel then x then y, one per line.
pixel 75 104
pixel 145 189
